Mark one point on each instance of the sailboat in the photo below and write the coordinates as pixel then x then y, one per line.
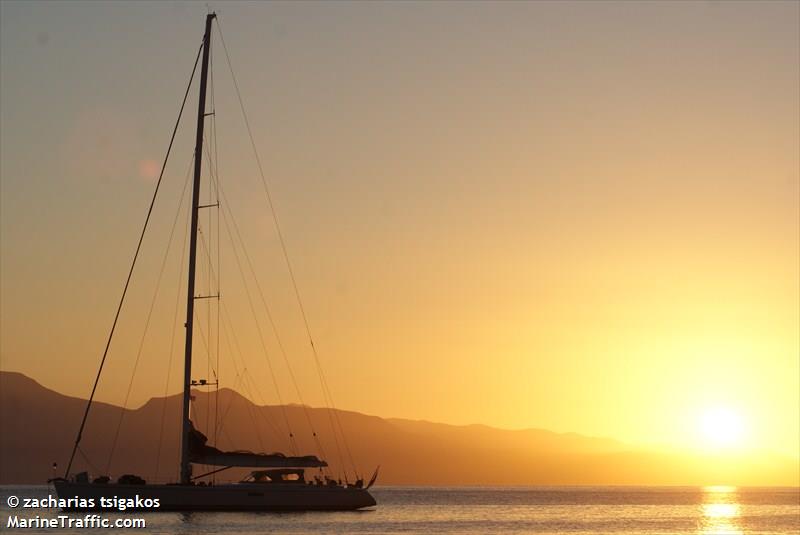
pixel 279 484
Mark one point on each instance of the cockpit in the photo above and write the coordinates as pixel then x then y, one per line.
pixel 277 475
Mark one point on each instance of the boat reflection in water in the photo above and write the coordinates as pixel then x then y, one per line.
pixel 721 511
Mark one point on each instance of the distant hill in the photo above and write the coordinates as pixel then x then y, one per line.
pixel 38 426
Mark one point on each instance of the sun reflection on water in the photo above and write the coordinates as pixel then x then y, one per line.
pixel 721 511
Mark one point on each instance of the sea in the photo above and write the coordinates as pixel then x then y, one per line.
pixel 481 510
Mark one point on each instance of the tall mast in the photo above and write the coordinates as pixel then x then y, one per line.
pixel 186 470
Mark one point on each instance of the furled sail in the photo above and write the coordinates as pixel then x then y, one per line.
pixel 201 453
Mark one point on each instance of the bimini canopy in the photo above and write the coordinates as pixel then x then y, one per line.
pixel 201 453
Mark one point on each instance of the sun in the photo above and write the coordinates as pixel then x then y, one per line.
pixel 721 427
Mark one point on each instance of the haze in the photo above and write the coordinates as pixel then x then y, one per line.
pixel 570 216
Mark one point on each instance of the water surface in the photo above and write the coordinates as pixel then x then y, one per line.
pixel 487 510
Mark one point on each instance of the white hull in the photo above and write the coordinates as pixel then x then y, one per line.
pixel 229 497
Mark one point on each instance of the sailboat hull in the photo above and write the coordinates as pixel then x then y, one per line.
pixel 229 497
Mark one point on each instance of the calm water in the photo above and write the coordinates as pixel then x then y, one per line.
pixel 486 510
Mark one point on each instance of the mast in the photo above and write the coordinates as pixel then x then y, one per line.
pixel 186 470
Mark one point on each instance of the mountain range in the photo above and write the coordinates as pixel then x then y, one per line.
pixel 38 427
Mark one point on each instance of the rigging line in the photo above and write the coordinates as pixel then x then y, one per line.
pixel 291 436
pixel 230 335
pixel 219 265
pixel 172 335
pixel 258 408
pixel 212 132
pixel 204 249
pixel 213 170
pixel 210 345
pixel 263 300
pixel 238 378
pixel 236 384
pixel 208 315
pixel 281 240
pixel 258 328
pixel 147 322
pixel 249 408
pixel 318 443
pixel 88 462
pixel 205 343
pixel 130 272
pixel 332 409
pixel 208 275
pixel 245 377
pixel 226 206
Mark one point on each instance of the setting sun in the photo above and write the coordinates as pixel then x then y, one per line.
pixel 721 427
pixel 478 267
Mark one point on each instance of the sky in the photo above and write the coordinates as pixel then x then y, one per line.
pixel 578 216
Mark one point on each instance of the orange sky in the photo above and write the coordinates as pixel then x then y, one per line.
pixel 576 216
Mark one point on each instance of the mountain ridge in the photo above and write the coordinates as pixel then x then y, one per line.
pixel 38 427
